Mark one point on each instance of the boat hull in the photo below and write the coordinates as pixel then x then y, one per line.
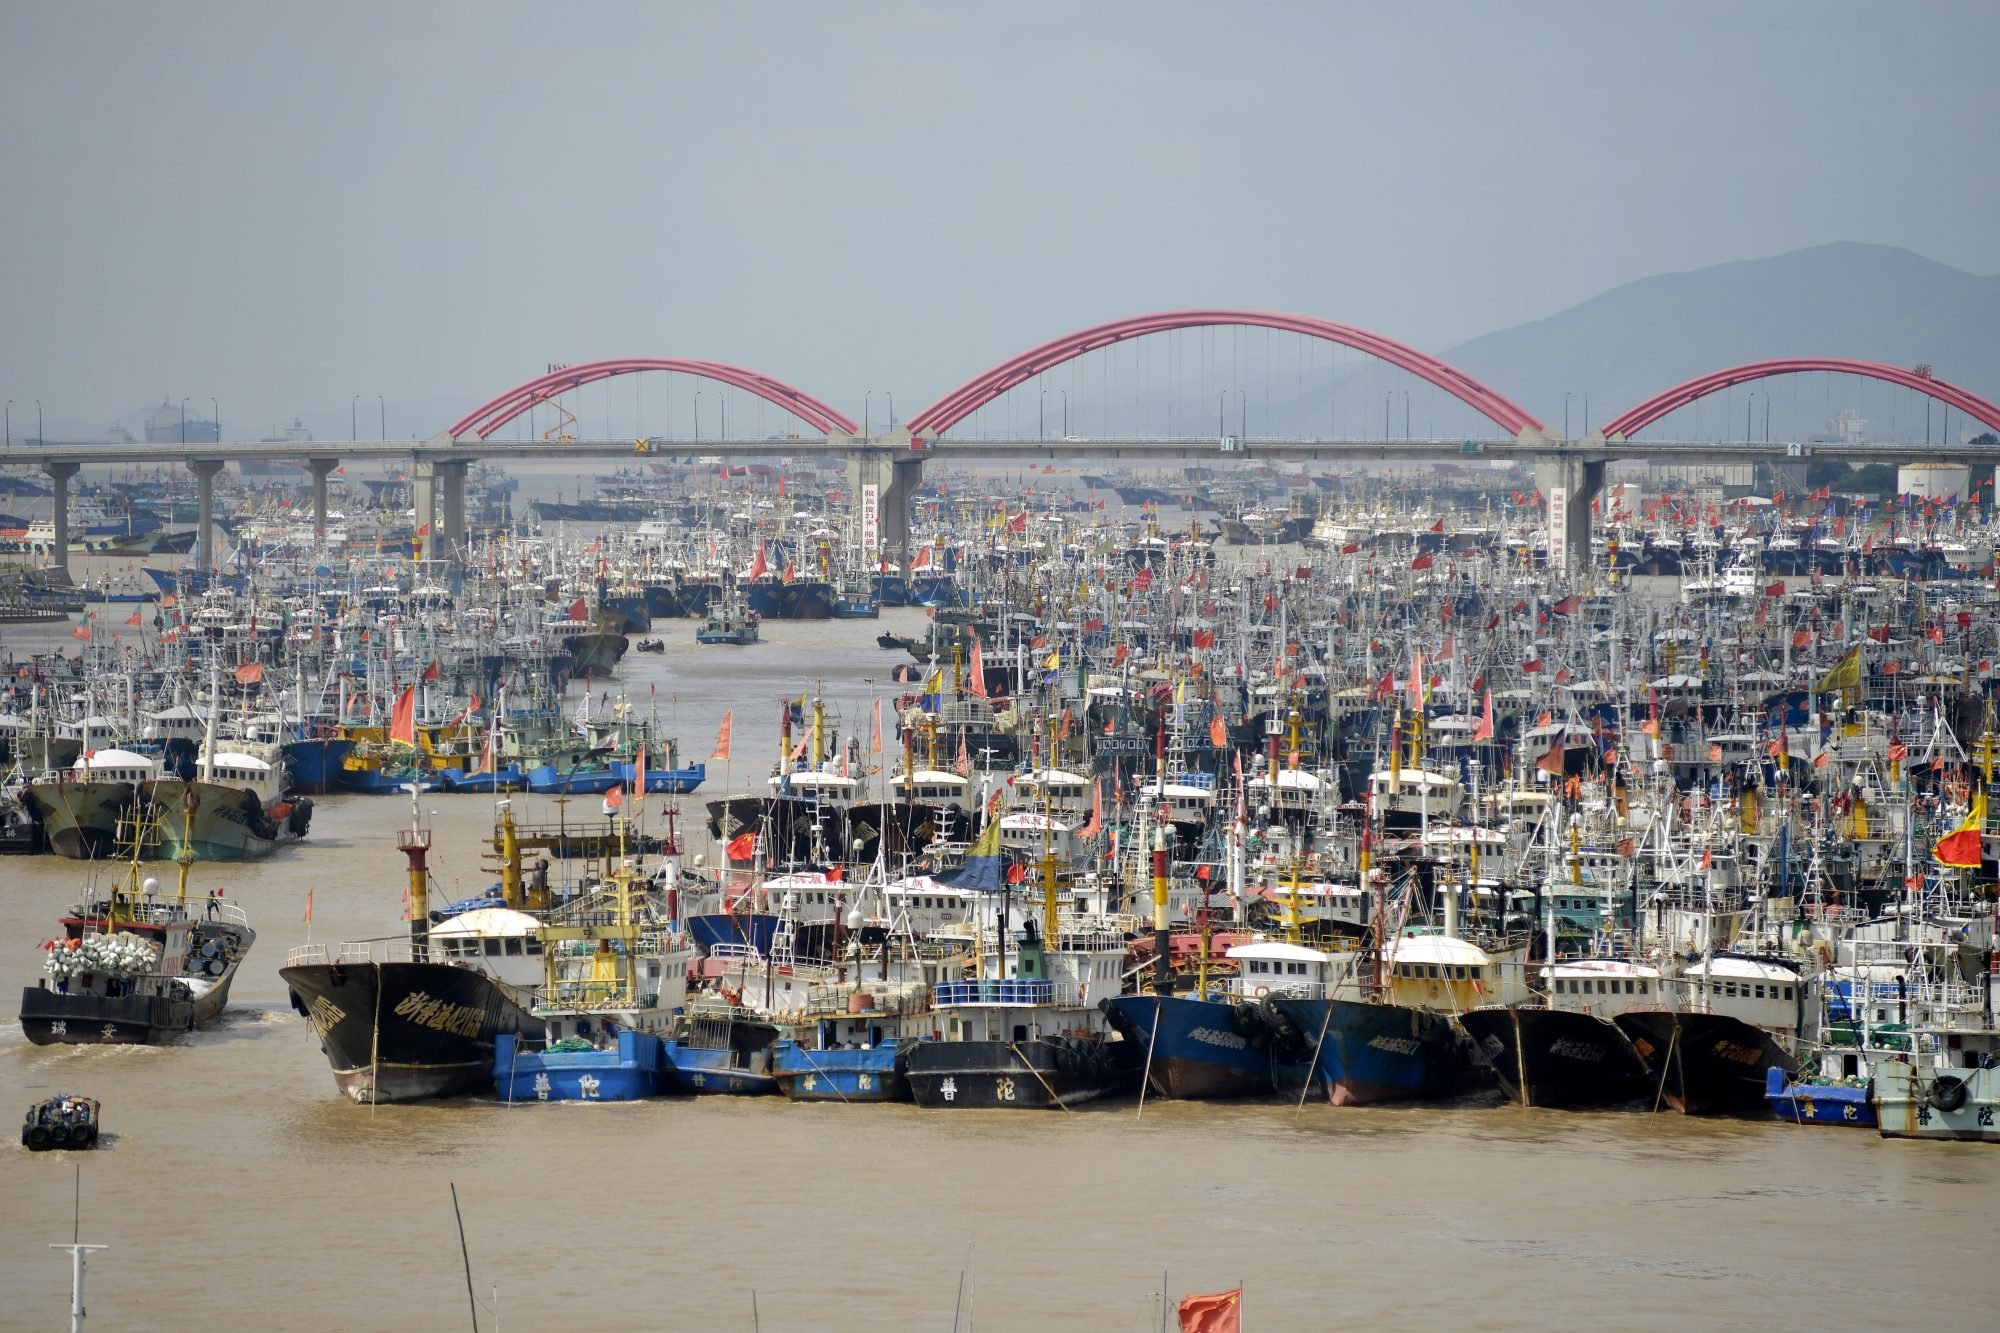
pixel 706 1072
pixel 1369 1053
pixel 1818 1103
pixel 1036 1074
pixel 1919 1104
pixel 80 819
pixel 1196 1048
pixel 1705 1064
pixel 407 1031
pixel 843 1074
pixel 628 1072
pixel 1558 1057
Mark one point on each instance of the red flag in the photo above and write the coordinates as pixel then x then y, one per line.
pixel 1351 548
pixel 1879 635
pixel 1204 638
pixel 614 798
pixel 1484 731
pixel 876 748
pixel 1218 734
pixel 1531 666
pixel 1567 606
pixel 722 737
pixel 1802 638
pixel 741 847
pixel 133 620
pixel 579 610
pixel 1961 846
pixel 1218 1312
pixel 978 682
pixel 249 673
pixel 1438 526
pixel 403 721
pixel 757 566
pixel 639 776
pixel 1774 590
pixel 430 671
pixel 1552 762
pixel 1422 562
pixel 1019 523
pixel 309 905
pixel 81 633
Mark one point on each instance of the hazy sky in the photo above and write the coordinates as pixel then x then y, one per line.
pixel 282 205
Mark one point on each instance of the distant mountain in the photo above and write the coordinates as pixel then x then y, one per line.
pixel 1875 302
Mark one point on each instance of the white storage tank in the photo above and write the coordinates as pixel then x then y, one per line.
pixel 1934 481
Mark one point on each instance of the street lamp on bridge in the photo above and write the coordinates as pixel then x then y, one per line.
pixel 383 404
pixel 215 412
pixel 1065 398
pixel 1041 411
pixel 867 401
pixel 184 421
pixel 10 423
pixel 892 408
pixel 697 414
pixel 353 418
pixel 41 436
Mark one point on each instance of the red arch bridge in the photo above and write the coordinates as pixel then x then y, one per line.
pixel 1569 472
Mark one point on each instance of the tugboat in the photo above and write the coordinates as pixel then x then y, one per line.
pixel 136 967
pixel 61 1122
pixel 410 1017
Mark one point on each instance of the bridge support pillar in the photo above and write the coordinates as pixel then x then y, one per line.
pixel 59 475
pixel 321 469
pixel 895 476
pixel 204 470
pixel 423 500
pixel 452 478
pixel 1568 485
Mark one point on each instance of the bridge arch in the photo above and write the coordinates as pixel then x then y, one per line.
pixel 1650 411
pixel 975 393
pixel 496 412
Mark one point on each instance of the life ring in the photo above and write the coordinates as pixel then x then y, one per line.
pixel 1947 1092
pixel 1262 991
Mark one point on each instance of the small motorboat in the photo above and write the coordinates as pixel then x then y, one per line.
pixel 61 1122
pixel 652 645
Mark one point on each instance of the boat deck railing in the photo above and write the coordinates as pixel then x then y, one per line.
pixel 990 990
pixel 359 952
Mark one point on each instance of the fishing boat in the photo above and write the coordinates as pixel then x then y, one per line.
pixel 720 1048
pixel 1725 1021
pixel 614 983
pixel 416 1016
pixel 138 966
pixel 1014 1038
pixel 80 810
pixel 728 624
pixel 1566 1050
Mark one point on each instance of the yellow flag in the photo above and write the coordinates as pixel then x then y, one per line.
pixel 1846 674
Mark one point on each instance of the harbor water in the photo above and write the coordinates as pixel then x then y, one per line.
pixel 238 1191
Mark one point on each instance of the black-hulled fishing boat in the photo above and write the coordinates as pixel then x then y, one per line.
pixel 408 1018
pixel 138 966
pixel 1733 1018
pixel 1016 1040
pixel 1568 1051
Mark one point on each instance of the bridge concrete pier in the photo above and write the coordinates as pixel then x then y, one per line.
pixel 423 500
pixel 59 474
pixel 1568 484
pixel 321 469
pixel 204 470
pixel 895 471
pixel 452 477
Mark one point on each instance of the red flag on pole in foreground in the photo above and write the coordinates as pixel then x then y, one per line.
pixel 722 737
pixel 309 904
pixel 977 683
pixel 741 847
pixel 1221 1312
pixel 1552 762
